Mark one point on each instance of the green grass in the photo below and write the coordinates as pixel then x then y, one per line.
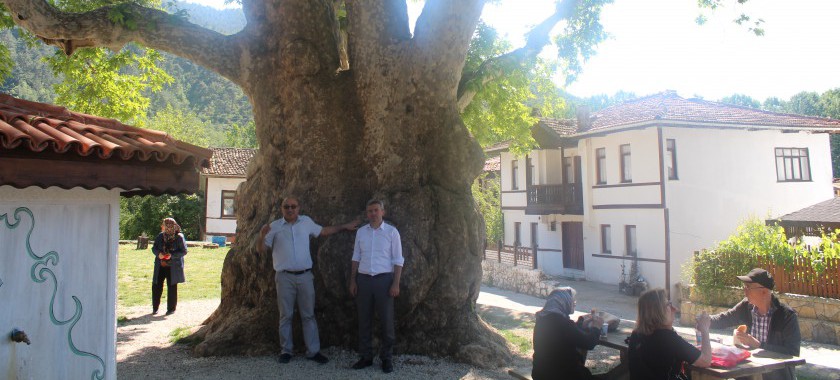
pixel 517 329
pixel 182 335
pixel 203 268
pixel 522 343
pixel 527 325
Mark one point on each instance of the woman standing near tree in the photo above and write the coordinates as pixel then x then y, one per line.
pixel 169 250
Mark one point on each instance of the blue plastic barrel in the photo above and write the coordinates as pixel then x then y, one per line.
pixel 220 240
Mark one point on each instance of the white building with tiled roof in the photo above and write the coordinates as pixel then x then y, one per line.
pixel 655 179
pixel 228 168
pixel 62 174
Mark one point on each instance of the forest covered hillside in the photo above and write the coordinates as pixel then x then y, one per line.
pixel 197 95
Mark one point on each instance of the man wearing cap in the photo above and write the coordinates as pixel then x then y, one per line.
pixel 288 239
pixel 771 325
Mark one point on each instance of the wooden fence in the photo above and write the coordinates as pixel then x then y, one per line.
pixel 798 278
pixel 803 279
pixel 511 255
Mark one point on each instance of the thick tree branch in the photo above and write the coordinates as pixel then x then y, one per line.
pixel 496 67
pixel 443 32
pixel 115 26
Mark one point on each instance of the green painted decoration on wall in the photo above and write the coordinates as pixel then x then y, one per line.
pixel 41 273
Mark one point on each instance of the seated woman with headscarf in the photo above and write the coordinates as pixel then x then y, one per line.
pixel 169 250
pixel 656 351
pixel 560 344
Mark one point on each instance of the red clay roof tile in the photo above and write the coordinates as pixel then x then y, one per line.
pixel 40 126
pixel 231 162
pixel 493 164
pixel 668 107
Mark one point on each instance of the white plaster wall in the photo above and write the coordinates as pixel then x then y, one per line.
pixel 727 176
pixel 650 244
pixel 550 166
pixel 76 232
pixel 550 262
pixel 506 164
pixel 644 155
pixel 512 216
pixel 650 236
pixel 514 199
pixel 638 195
pixel 214 223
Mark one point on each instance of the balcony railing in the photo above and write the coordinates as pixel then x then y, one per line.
pixel 555 199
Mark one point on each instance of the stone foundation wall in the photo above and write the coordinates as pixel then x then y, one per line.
pixel 520 279
pixel 819 318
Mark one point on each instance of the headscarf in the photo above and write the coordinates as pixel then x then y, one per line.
pixel 559 301
pixel 170 230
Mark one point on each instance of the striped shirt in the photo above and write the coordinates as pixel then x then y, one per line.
pixel 761 323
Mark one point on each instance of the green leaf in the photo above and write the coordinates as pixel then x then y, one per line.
pixel 109 84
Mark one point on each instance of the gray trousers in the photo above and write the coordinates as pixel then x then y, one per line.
pixel 300 288
pixel 373 295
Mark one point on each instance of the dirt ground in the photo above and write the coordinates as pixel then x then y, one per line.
pixel 145 351
pixel 521 325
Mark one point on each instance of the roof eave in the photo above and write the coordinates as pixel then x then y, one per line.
pixel 695 124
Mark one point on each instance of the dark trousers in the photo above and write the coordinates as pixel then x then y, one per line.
pixel 171 290
pixel 373 295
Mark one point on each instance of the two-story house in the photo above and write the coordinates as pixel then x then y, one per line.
pixel 654 179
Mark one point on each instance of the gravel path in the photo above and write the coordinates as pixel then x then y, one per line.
pixel 144 352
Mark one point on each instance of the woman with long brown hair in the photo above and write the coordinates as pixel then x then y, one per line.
pixel 169 250
pixel 656 351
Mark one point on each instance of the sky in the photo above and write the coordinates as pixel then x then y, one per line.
pixel 655 45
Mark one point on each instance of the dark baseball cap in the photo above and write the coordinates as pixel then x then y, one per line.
pixel 759 276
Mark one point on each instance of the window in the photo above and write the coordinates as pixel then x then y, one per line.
pixel 625 163
pixel 514 170
pixel 534 230
pixel 568 169
pixel 553 226
pixel 601 166
pixel 227 204
pixel 606 242
pixel 630 239
pixel 530 171
pixel 517 227
pixel 671 158
pixel 792 165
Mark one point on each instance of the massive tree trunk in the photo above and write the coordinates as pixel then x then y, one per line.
pixel 387 128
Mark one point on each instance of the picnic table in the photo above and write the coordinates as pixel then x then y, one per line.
pixel 760 362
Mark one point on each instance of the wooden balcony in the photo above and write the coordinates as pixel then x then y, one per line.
pixel 555 199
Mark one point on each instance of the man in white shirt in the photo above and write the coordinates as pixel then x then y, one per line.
pixel 288 239
pixel 375 282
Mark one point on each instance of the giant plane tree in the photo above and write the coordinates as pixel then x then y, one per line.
pixel 350 104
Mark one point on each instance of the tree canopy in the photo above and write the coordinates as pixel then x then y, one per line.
pixel 500 89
